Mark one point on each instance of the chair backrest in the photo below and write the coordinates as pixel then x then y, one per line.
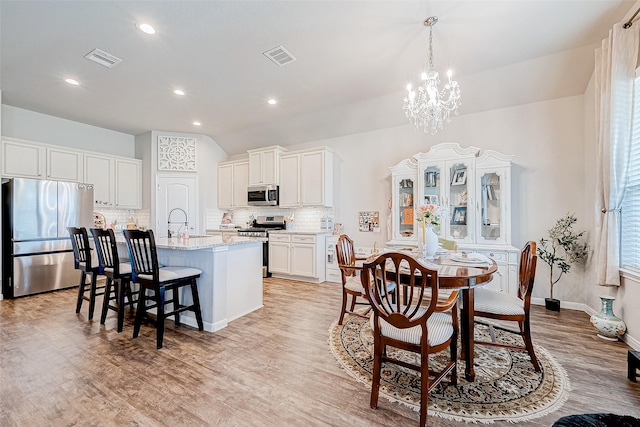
pixel 416 293
pixel 346 256
pixel 81 248
pixel 528 261
pixel 142 253
pixel 450 245
pixel 105 244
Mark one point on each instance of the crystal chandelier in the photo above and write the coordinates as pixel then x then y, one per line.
pixel 428 107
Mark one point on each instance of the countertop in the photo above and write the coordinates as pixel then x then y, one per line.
pixel 204 242
pixel 299 232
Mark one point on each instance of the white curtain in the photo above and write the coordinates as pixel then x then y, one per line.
pixel 614 74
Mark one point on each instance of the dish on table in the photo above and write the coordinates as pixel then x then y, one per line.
pixel 469 258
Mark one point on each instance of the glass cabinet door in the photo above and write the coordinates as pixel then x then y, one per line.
pixel 431 190
pixel 459 216
pixel 405 208
pixel 491 207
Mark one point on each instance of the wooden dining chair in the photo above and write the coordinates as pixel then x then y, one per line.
pixel 118 275
pixel 350 267
pixel 82 260
pixel 409 322
pixel 152 278
pixel 503 306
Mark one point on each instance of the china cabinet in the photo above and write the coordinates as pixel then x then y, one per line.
pixel 473 192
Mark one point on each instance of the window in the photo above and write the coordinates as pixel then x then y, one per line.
pixel 630 212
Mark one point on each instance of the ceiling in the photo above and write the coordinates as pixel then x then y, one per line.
pixel 354 59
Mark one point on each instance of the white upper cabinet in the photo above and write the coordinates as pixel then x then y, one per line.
pixel 99 171
pixel 117 181
pixel 290 180
pixel 23 159
pixel 316 178
pixel 306 178
pixel 264 165
pixel 233 180
pixel 64 165
pixel 128 184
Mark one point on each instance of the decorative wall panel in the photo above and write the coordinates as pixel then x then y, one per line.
pixel 176 154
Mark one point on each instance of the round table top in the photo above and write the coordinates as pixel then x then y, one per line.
pixel 456 274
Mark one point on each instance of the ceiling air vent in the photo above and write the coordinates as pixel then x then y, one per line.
pixel 103 58
pixel 279 55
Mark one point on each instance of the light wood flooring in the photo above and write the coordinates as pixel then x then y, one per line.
pixel 269 368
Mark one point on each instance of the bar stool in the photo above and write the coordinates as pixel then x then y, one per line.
pixel 118 275
pixel 83 262
pixel 146 272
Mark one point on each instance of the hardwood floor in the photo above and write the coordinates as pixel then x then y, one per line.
pixel 270 368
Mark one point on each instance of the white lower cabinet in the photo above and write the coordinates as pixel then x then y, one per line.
pixel 300 256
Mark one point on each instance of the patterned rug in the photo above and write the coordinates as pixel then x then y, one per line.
pixel 506 387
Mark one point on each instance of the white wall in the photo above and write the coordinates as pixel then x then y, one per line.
pixel 37 127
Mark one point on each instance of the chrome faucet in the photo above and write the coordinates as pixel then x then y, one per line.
pixel 186 223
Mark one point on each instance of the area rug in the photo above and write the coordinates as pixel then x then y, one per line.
pixel 506 387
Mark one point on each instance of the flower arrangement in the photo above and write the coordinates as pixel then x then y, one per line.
pixel 429 215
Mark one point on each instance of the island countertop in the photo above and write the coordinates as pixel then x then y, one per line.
pixel 200 242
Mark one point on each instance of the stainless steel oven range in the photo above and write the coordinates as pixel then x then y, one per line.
pixel 259 229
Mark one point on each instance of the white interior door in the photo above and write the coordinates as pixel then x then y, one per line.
pixel 176 196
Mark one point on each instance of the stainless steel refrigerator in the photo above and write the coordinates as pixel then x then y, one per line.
pixel 37 255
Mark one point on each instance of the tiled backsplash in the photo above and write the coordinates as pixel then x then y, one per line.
pixel 303 218
pixel 118 217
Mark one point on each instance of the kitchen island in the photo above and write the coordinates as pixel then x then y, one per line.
pixel 231 282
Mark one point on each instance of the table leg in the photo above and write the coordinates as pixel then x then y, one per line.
pixel 467 314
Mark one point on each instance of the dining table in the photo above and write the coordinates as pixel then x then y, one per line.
pixel 462 271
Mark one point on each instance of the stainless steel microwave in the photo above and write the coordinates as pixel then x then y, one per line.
pixel 263 195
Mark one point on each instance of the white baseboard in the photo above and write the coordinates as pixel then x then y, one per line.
pixel 628 339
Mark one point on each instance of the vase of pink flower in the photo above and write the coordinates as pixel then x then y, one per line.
pixel 428 216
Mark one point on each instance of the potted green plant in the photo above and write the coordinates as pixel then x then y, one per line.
pixel 563 248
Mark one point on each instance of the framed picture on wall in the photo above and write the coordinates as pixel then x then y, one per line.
pixel 459 216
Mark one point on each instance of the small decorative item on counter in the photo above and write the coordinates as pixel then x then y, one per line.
pixel 288 222
pixel 99 220
pixel 131 223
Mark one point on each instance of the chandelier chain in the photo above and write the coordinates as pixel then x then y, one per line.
pixel 431 47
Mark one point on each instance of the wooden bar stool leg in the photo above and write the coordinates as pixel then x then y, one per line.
pixel 141 311
pixel 105 301
pixel 160 317
pixel 92 295
pixel 81 286
pixel 176 304
pixel 121 305
pixel 196 303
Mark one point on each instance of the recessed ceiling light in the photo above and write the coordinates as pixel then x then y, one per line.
pixel 72 82
pixel 197 123
pixel 178 92
pixel 272 102
pixel 146 28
